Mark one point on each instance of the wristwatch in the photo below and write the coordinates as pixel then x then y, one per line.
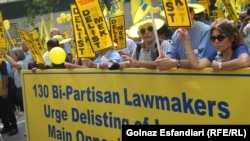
pixel 178 64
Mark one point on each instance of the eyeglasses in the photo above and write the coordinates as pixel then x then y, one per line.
pixel 219 37
pixel 143 30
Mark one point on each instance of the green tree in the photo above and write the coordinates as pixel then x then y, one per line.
pixel 38 8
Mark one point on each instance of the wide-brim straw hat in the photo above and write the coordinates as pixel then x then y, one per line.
pixel 133 30
pixel 61 40
pixel 198 8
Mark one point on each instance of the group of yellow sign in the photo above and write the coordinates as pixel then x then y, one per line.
pixel 92 32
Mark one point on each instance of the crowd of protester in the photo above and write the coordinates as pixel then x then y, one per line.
pixel 220 44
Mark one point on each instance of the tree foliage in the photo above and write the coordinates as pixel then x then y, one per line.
pixel 38 8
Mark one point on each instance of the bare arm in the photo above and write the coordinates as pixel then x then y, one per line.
pixel 241 62
pixel 12 62
pixel 193 61
pixel 72 66
pixel 142 64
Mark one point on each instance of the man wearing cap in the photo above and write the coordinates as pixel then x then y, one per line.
pixel 199 35
pixel 56 31
pixel 147 51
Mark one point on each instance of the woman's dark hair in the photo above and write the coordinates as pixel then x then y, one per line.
pixel 52 43
pixel 166 31
pixel 228 28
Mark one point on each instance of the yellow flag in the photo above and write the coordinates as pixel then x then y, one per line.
pixel 44 35
pixel 51 21
pixel 139 9
pixel 112 8
pixel 116 8
pixel 3 43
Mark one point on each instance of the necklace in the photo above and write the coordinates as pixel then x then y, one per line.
pixel 226 57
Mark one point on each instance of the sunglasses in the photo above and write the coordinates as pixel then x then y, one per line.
pixel 143 30
pixel 219 37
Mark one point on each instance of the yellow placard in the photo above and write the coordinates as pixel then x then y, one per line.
pixel 118 32
pixel 3 42
pixel 89 106
pixel 37 41
pixel 95 24
pixel 83 48
pixel 230 10
pixel 177 13
pixel 34 44
pixel 218 14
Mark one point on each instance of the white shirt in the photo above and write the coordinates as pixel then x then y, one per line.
pixel 130 47
pixel 246 31
pixel 46 59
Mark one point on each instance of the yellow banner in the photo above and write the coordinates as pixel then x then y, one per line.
pixel 177 13
pixel 95 103
pixel 95 24
pixel 34 43
pixel 83 48
pixel 218 14
pixel 118 33
pixel 44 35
pixel 3 42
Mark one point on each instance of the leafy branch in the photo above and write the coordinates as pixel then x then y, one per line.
pixel 38 8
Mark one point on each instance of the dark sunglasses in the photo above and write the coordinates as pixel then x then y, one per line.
pixel 143 30
pixel 219 37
